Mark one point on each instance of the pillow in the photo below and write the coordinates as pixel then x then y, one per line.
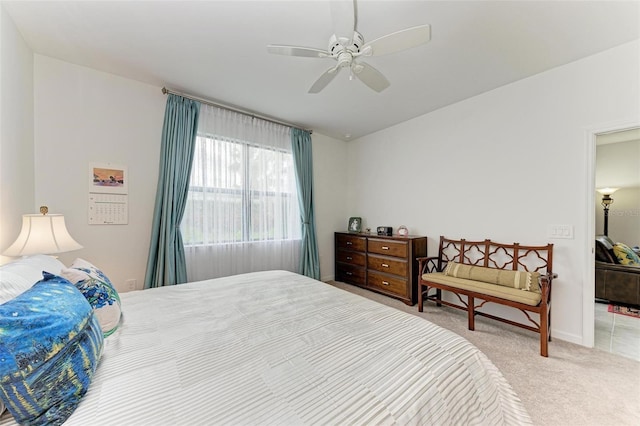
pixel 522 280
pixel 12 284
pixel 19 275
pixel 99 291
pixel 50 348
pixel 625 255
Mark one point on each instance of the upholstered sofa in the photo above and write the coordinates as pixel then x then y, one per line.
pixel 615 282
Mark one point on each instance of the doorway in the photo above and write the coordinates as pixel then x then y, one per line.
pixel 603 175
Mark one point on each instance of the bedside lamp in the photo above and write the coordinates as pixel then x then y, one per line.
pixel 42 234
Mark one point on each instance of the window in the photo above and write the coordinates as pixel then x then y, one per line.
pixel 242 212
pixel 240 191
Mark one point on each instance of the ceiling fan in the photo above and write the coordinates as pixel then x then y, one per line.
pixel 347 45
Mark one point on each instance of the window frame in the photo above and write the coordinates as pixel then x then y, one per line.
pixel 245 193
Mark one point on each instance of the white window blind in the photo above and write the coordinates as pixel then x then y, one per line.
pixel 242 212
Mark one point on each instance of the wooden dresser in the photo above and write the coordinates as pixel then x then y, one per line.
pixel 383 264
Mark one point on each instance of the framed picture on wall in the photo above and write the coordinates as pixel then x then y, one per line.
pixel 355 224
pixel 108 178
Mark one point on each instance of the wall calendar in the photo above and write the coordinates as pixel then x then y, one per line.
pixel 108 195
pixel 108 209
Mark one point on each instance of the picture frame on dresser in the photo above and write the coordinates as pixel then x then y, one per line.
pixel 355 224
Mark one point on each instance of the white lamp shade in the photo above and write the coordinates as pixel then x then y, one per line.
pixel 42 234
pixel 607 191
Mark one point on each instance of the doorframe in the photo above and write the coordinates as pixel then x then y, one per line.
pixel 588 302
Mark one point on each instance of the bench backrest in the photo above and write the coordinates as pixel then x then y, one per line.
pixel 514 257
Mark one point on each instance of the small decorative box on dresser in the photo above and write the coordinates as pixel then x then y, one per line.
pixel 384 264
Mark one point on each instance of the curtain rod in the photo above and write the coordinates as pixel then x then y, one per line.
pixel 230 108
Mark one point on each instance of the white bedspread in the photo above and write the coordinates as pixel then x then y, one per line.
pixel 279 348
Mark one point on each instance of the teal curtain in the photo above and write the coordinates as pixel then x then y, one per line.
pixel 303 161
pixel 166 264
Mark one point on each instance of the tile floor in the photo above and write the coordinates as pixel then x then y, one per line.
pixel 615 333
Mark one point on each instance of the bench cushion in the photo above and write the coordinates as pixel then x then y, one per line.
pixel 521 280
pixel 514 294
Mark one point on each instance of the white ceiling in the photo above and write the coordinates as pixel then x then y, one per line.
pixel 217 50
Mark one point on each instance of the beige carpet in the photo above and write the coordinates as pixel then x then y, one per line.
pixel 573 386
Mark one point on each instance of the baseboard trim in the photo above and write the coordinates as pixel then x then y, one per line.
pixel 328 278
pixel 567 337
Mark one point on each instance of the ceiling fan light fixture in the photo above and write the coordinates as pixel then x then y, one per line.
pixel 366 51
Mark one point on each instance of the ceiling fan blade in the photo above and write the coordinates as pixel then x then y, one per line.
pixel 307 52
pixel 400 40
pixel 343 16
pixel 324 79
pixel 370 76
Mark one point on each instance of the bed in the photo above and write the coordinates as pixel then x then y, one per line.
pixel 279 348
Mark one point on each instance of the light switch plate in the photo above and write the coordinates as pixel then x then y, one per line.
pixel 560 231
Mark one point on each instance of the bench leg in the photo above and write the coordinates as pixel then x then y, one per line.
pixel 471 313
pixel 549 324
pixel 438 297
pixel 420 297
pixel 545 335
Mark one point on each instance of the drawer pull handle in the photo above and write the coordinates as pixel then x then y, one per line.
pixel 385 248
pixel 349 273
pixel 349 243
pixel 385 282
pixel 384 265
pixel 349 258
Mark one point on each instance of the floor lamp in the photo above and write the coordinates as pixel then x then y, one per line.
pixel 606 202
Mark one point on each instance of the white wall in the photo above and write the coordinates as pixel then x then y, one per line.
pixel 83 116
pixel 16 132
pixel 624 216
pixel 618 166
pixel 330 191
pixel 503 165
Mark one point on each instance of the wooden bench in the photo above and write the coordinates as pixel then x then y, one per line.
pixel 508 274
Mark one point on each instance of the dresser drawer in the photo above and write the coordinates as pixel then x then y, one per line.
pixel 388 248
pixel 387 284
pixel 351 242
pixel 387 264
pixel 351 257
pixel 351 274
